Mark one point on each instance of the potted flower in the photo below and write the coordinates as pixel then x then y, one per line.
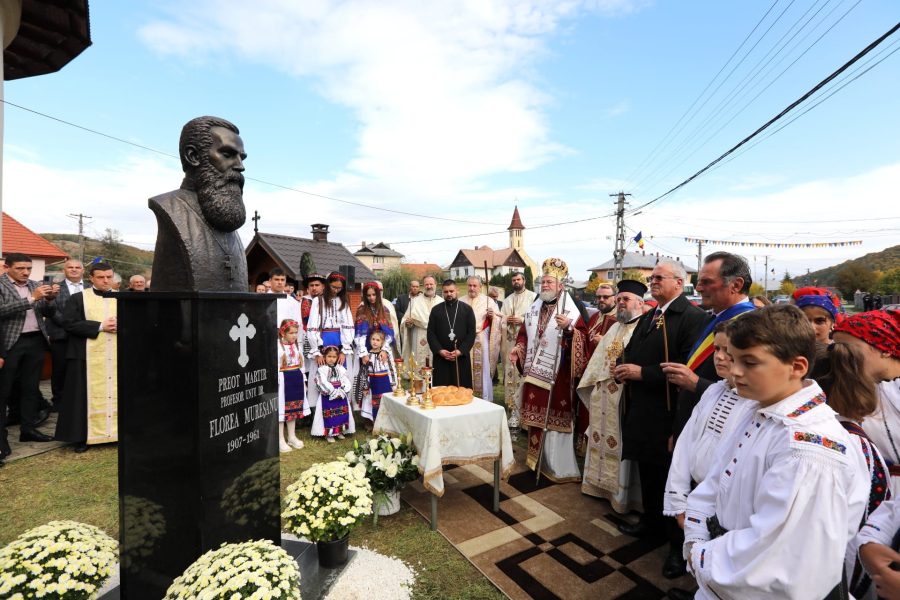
pixel 254 569
pixel 323 506
pixel 62 559
pixel 389 463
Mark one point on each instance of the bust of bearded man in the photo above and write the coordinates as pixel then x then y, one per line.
pixel 197 245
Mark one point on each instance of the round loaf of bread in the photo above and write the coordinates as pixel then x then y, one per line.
pixel 451 395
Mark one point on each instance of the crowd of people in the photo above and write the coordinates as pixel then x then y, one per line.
pixel 756 440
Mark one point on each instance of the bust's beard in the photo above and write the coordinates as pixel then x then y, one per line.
pixel 221 198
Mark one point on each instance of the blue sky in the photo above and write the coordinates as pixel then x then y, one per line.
pixel 459 110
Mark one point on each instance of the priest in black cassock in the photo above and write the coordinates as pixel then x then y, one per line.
pixel 90 407
pixel 451 335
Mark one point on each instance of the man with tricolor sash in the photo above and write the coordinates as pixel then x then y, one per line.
pixel 89 414
pixel 723 284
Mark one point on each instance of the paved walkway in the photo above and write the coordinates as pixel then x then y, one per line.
pixel 24 449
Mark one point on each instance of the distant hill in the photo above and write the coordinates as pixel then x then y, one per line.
pixel 888 258
pixel 126 260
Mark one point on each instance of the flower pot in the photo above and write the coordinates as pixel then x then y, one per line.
pixel 388 503
pixel 333 554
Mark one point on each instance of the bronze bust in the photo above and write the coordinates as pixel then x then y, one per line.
pixel 197 245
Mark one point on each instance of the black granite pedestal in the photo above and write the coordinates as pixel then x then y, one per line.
pixel 198 418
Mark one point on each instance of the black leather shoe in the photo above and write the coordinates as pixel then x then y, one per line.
pixel 5 450
pixel 30 434
pixel 638 530
pixel 679 594
pixel 675 566
pixel 42 417
pixel 80 448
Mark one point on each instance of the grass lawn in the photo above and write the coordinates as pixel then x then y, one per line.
pixel 83 487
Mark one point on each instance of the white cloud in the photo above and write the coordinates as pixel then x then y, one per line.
pixel 442 91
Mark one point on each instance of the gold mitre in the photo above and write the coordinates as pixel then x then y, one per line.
pixel 555 267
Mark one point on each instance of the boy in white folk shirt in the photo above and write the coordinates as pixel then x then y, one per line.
pixel 774 516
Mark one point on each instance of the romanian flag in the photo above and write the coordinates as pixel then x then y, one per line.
pixel 703 349
pixel 640 240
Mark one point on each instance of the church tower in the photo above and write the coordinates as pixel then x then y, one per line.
pixel 516 241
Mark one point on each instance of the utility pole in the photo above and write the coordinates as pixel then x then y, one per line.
pixel 81 219
pixel 619 254
pixel 766 284
pixel 699 257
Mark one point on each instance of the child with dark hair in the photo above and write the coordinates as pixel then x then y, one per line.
pixel 378 364
pixel 774 516
pixel 333 416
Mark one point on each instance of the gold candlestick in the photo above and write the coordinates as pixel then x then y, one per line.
pixel 427 374
pixel 398 388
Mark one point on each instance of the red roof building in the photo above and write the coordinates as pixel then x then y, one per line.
pixel 18 238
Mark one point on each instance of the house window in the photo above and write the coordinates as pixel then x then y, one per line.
pixel 378 259
pixel 610 275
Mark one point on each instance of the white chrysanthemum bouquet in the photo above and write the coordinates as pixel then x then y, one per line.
pixel 388 462
pixel 254 570
pixel 62 559
pixel 327 501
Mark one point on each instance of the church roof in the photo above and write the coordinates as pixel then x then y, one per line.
pixel 639 260
pixel 379 249
pixel 51 33
pixel 476 257
pixel 516 222
pixel 18 238
pixel 287 251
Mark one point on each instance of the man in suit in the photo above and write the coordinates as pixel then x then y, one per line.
pixel 71 285
pixel 663 335
pixel 723 284
pixel 23 342
pixel 403 300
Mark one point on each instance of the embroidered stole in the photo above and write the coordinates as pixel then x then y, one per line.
pixel 543 346
pixel 101 370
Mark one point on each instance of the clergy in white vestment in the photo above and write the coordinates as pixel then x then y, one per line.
pixel 512 316
pixel 606 475
pixel 486 350
pixel 414 326
pixel 543 351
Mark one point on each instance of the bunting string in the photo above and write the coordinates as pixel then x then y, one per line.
pixel 774 244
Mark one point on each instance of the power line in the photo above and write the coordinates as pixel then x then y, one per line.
pixel 659 144
pixel 777 117
pixel 262 181
pixel 736 95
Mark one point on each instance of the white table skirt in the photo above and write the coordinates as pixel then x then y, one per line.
pixel 449 435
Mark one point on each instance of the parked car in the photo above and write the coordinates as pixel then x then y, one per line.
pixel 891 307
pixel 782 299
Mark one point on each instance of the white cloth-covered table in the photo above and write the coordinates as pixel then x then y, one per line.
pixel 449 435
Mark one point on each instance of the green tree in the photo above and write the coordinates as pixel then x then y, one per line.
pixel 529 278
pixel 890 281
pixel 756 289
pixel 855 277
pixel 395 281
pixel 787 285
pixel 307 265
pixel 113 251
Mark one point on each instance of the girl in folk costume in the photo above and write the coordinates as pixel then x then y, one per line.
pixel 333 410
pixel 720 410
pixel 371 316
pixel 378 364
pixel 330 321
pixel 851 392
pixel 291 386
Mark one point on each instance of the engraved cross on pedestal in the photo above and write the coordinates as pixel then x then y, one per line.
pixel 243 331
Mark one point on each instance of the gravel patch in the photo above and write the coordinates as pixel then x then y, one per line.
pixel 373 576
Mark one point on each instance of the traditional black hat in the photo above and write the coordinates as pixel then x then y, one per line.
pixel 630 285
pixel 314 277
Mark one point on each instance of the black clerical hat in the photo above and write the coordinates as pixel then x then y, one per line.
pixel 630 285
